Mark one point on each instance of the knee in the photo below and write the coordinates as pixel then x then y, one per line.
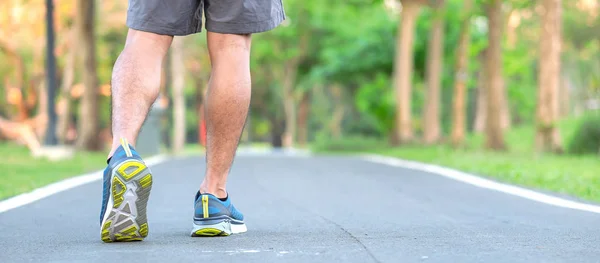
pixel 218 43
pixel 149 43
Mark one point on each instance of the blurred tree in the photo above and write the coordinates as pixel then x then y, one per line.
pixel 89 123
pixel 403 66
pixel 435 56
pixel 461 77
pixel 15 88
pixel 481 99
pixel 547 136
pixel 335 124
pixel 68 78
pixel 290 73
pixel 303 118
pixel 178 75
pixel 494 85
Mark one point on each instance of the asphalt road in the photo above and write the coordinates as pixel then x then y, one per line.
pixel 310 209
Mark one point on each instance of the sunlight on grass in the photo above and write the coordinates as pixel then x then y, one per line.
pixel 22 173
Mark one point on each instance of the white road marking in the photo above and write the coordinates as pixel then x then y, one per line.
pixel 48 190
pixel 483 183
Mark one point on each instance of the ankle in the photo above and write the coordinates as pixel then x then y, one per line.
pixel 218 191
pixel 117 143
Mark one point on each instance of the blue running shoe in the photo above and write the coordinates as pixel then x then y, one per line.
pixel 213 217
pixel 127 184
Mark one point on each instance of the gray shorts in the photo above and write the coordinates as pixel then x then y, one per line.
pixel 184 17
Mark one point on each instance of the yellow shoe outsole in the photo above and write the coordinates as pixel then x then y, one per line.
pixel 126 216
pixel 209 232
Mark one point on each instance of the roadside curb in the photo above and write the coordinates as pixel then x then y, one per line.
pixel 63 185
pixel 481 182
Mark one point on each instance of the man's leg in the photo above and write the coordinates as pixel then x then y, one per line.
pixel 229 25
pixel 136 83
pixel 127 179
pixel 227 102
pixel 228 99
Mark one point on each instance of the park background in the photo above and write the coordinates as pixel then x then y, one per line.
pixel 506 89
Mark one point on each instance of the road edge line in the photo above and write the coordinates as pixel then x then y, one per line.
pixel 61 186
pixel 481 182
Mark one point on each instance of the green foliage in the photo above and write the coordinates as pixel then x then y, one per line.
pixel 586 138
pixel 376 99
pixel 520 72
pixel 350 143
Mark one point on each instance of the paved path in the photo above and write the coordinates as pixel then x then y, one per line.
pixel 311 209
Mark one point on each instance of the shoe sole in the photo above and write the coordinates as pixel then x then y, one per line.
pixel 125 218
pixel 224 228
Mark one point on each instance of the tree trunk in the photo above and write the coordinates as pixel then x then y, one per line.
pixel 167 100
pixel 64 118
pixel 547 135
pixel 178 73
pixel 513 22
pixel 505 120
pixel 565 98
pixel 481 102
pixel 303 113
pixel 335 125
pixel 276 132
pixel 88 125
pixel 289 106
pixel 40 121
pixel 403 69
pixel 435 55
pixel 495 89
pixel 459 110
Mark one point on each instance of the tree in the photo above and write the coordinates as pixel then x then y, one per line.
pixel 64 118
pixel 303 116
pixel 494 85
pixel 89 119
pixel 461 76
pixel 403 67
pixel 547 135
pixel 290 75
pixel 178 73
pixel 335 124
pixel 481 100
pixel 435 55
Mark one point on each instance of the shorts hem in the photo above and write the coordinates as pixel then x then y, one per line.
pixel 244 28
pixel 161 30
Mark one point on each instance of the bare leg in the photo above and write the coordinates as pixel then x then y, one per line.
pixel 226 108
pixel 136 83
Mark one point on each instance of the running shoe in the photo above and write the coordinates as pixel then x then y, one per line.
pixel 127 184
pixel 216 217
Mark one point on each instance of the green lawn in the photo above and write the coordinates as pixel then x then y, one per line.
pixel 20 172
pixel 572 175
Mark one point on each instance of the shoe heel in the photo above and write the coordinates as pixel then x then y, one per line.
pixel 127 219
pixel 224 228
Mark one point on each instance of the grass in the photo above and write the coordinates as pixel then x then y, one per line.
pixel 577 176
pixel 20 172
